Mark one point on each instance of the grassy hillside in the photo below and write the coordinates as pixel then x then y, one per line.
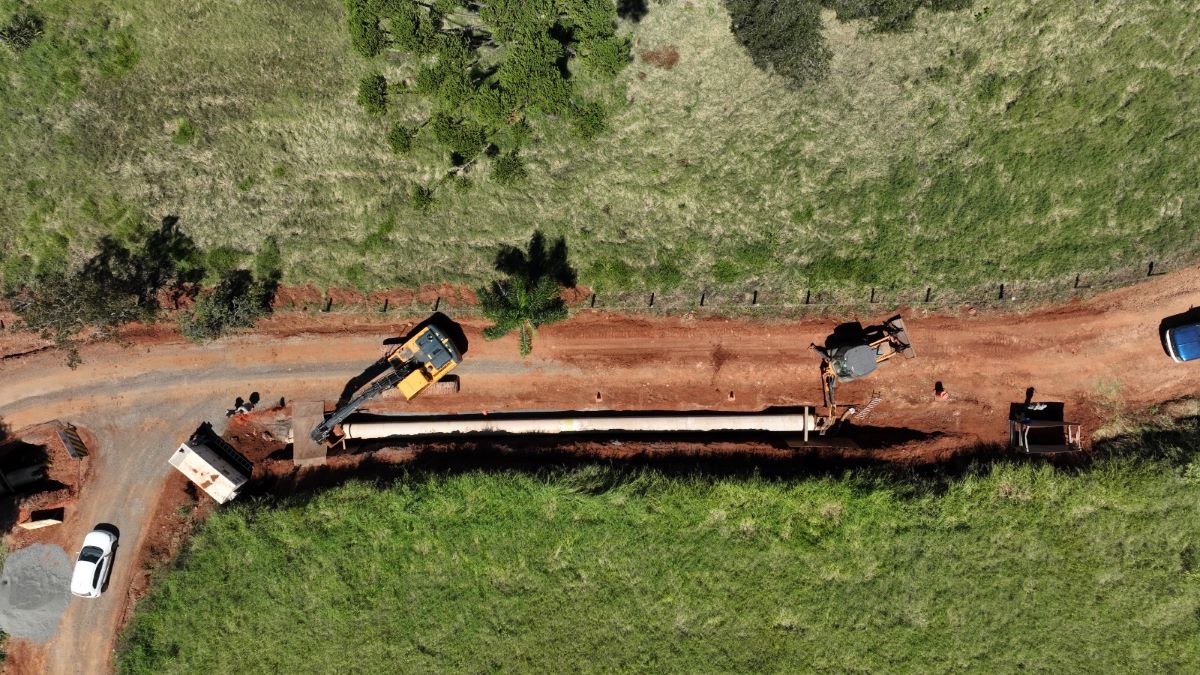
pixel 1023 140
pixel 1014 566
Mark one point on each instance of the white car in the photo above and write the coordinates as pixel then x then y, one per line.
pixel 94 563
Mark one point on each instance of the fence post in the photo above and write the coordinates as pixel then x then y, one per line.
pixel 807 297
pixel 385 305
pixel 328 304
pixel 872 294
pixel 437 303
pixel 1001 291
pixel 928 293
pixel 754 299
pixel 1150 269
pixel 702 294
pixel 593 299
pixel 651 299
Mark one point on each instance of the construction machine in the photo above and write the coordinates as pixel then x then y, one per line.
pixel 422 360
pixel 861 355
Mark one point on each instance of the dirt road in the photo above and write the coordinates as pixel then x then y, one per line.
pixel 1100 356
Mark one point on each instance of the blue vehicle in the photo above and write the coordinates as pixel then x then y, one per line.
pixel 1183 342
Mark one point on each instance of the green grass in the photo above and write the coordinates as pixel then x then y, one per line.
pixel 1034 140
pixel 1004 567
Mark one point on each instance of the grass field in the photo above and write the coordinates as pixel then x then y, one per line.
pixel 1005 567
pixel 1026 140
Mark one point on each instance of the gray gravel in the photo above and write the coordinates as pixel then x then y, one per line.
pixel 34 591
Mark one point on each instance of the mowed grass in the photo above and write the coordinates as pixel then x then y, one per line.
pixel 1026 140
pixel 1010 566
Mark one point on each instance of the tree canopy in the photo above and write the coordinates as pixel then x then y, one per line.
pixel 530 294
pixel 785 36
pixel 487 68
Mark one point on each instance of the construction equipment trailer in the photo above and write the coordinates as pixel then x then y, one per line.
pixel 424 359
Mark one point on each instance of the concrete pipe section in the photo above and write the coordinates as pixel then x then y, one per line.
pixel 570 422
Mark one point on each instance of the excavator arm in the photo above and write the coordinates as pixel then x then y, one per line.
pixel 325 429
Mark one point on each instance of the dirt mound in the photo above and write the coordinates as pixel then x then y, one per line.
pixel 34 591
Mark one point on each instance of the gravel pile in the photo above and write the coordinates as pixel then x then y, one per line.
pixel 34 591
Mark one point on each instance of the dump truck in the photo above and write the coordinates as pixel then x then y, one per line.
pixel 422 360
pixel 212 464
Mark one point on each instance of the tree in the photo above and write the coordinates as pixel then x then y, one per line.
pixel 487 68
pixel 119 284
pixel 783 36
pixel 530 295
pixel 237 301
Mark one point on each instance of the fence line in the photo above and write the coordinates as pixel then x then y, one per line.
pixel 758 301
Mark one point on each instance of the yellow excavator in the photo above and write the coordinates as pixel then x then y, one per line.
pixel 422 360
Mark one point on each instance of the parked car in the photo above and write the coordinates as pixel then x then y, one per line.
pixel 1183 342
pixel 94 564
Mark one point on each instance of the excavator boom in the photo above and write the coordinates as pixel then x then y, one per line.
pixel 422 360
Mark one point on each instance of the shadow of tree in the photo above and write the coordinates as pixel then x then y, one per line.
pixel 634 10
pixel 537 262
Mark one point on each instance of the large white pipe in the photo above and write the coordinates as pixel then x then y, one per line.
pixel 549 424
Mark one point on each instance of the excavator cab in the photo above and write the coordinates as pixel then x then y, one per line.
pixel 861 356
pixel 432 354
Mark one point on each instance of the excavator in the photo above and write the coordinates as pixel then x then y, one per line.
pixel 422 360
pixel 861 355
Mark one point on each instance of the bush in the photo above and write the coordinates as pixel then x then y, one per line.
pixel 372 94
pixel 421 198
pixel 400 138
pixel 21 30
pixel 783 36
pixel 588 119
pixel 236 302
pixel 508 169
pixel 458 135
pixel 366 37
pixel 608 56
pixel 891 15
pixel 185 132
pixel 223 259
pixel 268 262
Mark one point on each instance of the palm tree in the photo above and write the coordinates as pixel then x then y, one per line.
pixel 530 295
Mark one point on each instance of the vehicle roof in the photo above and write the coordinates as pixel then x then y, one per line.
pixel 81 577
pixel 1186 341
pixel 99 538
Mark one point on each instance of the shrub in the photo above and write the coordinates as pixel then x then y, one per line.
pixel 508 169
pixel 458 135
pixel 223 259
pixel 236 302
pixel 421 198
pixel 21 30
pixel 268 262
pixel 608 56
pixel 783 36
pixel 185 132
pixel 366 37
pixel 400 138
pixel 372 94
pixel 588 119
